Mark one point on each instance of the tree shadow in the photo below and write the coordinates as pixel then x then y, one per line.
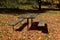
pixel 35 26
pixel 18 11
pixel 22 27
pixel 23 11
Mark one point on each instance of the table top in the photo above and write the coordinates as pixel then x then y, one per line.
pixel 30 15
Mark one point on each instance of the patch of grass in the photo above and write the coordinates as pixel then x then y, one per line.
pixel 1 23
pixel 52 30
pixel 25 7
pixel 47 37
pixel 51 12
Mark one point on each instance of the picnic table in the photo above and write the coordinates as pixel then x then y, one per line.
pixel 29 16
pixel 25 16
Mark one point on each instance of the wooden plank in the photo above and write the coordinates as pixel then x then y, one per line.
pixel 29 15
pixel 41 23
pixel 16 22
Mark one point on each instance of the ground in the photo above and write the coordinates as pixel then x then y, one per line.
pixel 52 19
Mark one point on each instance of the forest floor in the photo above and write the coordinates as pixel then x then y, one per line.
pixel 52 19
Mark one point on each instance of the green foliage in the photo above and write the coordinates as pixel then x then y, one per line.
pixel 14 3
pixel 8 3
pixel 18 3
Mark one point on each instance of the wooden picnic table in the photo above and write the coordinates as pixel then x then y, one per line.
pixel 25 16
pixel 29 16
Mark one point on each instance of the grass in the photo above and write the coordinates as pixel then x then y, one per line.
pixel 25 6
pixel 1 23
pixel 51 12
pixel 47 37
pixel 52 30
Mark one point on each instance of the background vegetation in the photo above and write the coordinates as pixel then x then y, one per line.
pixel 21 4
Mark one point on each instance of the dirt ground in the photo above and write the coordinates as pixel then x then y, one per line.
pixel 49 32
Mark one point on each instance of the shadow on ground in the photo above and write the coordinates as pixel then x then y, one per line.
pixel 19 11
pixel 34 27
pixel 16 10
pixel 22 27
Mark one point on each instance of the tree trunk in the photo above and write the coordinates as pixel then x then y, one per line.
pixel 39 3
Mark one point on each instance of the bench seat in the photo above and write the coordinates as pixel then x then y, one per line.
pixel 41 23
pixel 16 22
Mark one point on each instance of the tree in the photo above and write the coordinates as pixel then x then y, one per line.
pixel 15 3
pixel 9 3
pixel 39 3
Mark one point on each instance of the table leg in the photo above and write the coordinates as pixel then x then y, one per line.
pixel 31 21
pixel 27 23
pixel 27 28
